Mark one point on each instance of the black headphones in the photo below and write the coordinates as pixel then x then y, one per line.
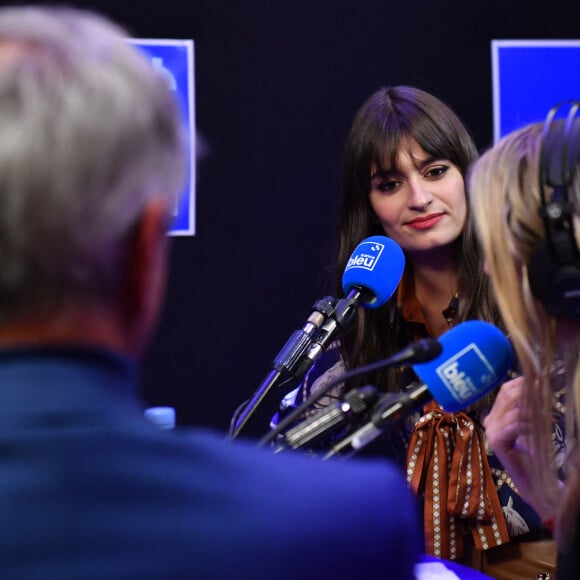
pixel 554 268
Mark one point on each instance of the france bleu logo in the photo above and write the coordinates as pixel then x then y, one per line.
pixel 467 373
pixel 365 256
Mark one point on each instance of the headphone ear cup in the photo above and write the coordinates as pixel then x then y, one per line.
pixel 556 286
pixel 554 268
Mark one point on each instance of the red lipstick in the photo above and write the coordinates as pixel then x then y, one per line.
pixel 425 222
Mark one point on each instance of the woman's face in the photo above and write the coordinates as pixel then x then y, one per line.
pixel 420 203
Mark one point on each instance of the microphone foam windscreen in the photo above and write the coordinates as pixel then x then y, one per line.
pixel 474 359
pixel 377 265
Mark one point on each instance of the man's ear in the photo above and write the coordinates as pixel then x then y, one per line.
pixel 146 273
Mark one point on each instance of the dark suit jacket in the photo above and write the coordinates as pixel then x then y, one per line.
pixel 90 489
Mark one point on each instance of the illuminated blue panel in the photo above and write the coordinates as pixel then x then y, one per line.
pixel 174 58
pixel 529 78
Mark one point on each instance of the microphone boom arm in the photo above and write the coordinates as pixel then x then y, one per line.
pixel 292 361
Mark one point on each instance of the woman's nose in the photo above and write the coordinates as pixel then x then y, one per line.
pixel 419 197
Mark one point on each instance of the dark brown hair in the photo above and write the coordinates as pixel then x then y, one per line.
pixel 388 117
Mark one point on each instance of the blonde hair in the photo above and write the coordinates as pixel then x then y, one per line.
pixel 505 197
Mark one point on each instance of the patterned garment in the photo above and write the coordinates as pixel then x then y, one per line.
pixel 464 487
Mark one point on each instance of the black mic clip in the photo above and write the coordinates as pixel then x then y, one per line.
pixel 347 306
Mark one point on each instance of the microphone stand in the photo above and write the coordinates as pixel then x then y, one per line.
pixel 305 347
pixel 420 351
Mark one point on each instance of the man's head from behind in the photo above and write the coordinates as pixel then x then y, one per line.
pixel 91 143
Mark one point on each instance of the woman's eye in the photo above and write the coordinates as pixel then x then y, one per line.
pixel 387 186
pixel 437 171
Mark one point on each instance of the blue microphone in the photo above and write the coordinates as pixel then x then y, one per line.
pixel 376 265
pixel 371 276
pixel 475 358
